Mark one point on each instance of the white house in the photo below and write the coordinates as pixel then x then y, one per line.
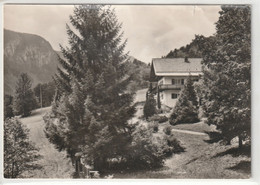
pixel 169 76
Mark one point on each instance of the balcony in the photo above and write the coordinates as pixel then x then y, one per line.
pixel 170 87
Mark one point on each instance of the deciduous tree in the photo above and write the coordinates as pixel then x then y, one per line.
pixel 227 65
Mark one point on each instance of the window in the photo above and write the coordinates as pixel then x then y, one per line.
pixel 174 96
pixel 177 81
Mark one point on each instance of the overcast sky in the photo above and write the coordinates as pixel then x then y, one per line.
pixel 152 31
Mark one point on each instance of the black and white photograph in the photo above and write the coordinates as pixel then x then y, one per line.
pixel 126 91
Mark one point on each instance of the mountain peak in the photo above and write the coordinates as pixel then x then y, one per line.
pixel 27 53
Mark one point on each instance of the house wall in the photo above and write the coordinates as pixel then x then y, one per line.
pixel 166 95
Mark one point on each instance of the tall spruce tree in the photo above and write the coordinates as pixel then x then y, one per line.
pixel 227 64
pixel 91 110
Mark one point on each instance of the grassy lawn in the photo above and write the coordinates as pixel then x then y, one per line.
pixel 200 159
pixel 197 127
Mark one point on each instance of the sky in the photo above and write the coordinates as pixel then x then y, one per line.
pixel 151 30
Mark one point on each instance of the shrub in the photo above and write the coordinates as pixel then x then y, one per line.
pixel 158 118
pixel 175 144
pixel 163 119
pixel 167 130
pixel 172 145
pixel 154 126
pixel 146 150
pixel 187 114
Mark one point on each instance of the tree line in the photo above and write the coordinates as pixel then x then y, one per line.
pixel 27 98
pixel 20 154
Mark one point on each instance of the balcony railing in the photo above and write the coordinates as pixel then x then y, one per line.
pixel 170 87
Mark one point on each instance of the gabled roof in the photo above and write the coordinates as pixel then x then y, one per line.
pixel 176 66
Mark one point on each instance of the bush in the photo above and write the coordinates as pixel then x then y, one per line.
pixel 186 114
pixel 174 144
pixel 162 119
pixel 154 126
pixel 147 151
pixel 158 118
pixel 167 130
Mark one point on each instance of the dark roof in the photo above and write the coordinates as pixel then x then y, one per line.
pixel 176 65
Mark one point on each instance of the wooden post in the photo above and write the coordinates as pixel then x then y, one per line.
pixel 41 94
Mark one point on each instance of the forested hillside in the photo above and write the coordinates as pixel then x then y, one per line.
pixel 27 53
pixel 141 73
pixel 192 50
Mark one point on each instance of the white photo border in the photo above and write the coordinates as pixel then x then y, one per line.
pixel 255 86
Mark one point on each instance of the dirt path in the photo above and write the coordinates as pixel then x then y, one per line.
pixel 189 132
pixel 55 164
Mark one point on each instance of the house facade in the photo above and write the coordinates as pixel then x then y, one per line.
pixel 168 76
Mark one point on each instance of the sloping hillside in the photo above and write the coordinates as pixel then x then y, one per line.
pixel 27 53
pixel 191 50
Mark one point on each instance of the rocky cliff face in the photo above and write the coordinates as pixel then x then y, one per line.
pixel 27 53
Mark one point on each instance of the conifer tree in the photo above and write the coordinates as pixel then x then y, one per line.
pixel 186 108
pixel 8 109
pixel 20 154
pixel 24 99
pixel 91 109
pixel 149 106
pixel 227 65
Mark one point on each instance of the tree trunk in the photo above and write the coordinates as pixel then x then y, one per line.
pixel 240 144
pixel 13 170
